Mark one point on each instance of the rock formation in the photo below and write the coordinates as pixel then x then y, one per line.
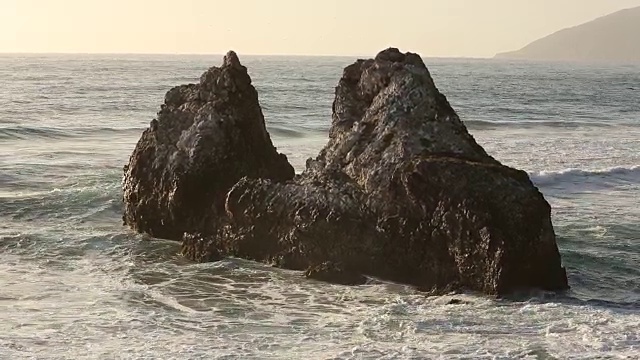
pixel 401 191
pixel 207 136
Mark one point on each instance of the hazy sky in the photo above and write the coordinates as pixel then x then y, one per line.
pixel 478 28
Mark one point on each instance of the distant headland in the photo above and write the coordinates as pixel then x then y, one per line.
pixel 610 38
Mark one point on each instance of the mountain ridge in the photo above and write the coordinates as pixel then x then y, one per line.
pixel 612 37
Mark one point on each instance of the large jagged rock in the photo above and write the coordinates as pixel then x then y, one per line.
pixel 207 136
pixel 401 192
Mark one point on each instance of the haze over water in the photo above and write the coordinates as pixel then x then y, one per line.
pixel 452 28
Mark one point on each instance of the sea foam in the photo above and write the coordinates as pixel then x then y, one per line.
pixel 572 175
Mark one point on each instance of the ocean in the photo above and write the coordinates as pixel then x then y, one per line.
pixel 76 284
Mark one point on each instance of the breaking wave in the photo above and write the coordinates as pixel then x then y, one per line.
pixel 618 173
pixel 42 132
pixel 521 124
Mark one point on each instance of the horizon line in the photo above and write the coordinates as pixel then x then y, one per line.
pixel 222 54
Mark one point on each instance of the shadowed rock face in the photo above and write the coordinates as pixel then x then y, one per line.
pixel 401 192
pixel 207 136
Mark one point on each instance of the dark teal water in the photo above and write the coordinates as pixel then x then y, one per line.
pixel 74 283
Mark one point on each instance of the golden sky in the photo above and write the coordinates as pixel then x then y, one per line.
pixel 475 28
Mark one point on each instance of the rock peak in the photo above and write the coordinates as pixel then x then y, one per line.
pixel 396 56
pixel 231 59
pixel 391 54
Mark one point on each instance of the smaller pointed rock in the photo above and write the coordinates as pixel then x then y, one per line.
pixel 207 137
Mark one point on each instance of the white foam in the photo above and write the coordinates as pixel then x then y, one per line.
pixel 96 309
pixel 573 175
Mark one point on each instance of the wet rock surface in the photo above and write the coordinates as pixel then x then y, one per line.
pixel 401 191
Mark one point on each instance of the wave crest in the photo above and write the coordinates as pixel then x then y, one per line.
pixel 521 124
pixel 572 175
pixel 42 132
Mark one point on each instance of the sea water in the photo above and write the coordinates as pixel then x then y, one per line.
pixel 75 283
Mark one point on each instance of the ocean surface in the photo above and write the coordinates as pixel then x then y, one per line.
pixel 75 283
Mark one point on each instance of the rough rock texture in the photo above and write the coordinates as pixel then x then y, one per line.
pixel 207 136
pixel 401 192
